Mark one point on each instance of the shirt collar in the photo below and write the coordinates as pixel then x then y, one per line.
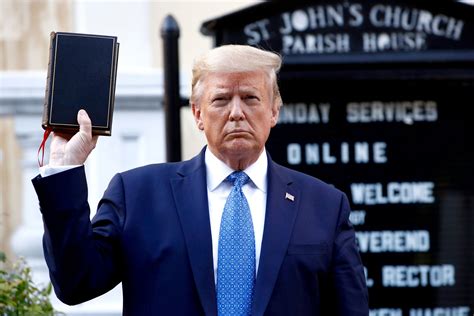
pixel 217 171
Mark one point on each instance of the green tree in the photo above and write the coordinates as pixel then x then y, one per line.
pixel 19 296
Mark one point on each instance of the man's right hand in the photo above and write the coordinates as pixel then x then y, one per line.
pixel 67 149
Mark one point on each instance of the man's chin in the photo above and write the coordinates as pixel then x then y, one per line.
pixel 241 147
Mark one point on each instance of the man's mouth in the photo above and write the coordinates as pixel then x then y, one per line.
pixel 238 131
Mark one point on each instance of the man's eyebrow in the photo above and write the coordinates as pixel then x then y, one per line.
pixel 220 91
pixel 249 89
pixel 225 90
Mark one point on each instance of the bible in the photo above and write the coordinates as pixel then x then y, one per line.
pixel 82 72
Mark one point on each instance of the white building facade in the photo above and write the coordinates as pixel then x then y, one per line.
pixel 138 135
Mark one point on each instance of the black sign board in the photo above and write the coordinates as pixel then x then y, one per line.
pixel 378 98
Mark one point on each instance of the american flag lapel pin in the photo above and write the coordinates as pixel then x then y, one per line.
pixel 290 197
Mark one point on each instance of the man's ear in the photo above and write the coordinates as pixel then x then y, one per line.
pixel 275 113
pixel 197 116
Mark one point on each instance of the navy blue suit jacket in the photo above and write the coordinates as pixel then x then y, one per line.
pixel 152 233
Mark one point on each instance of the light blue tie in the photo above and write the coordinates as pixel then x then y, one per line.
pixel 236 253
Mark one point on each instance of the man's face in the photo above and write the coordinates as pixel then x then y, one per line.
pixel 236 112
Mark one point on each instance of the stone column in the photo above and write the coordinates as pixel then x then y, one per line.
pixel 10 183
pixel 25 28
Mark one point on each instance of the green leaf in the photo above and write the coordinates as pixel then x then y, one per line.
pixel 19 296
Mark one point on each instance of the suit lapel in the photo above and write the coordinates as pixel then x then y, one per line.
pixel 190 195
pixel 279 220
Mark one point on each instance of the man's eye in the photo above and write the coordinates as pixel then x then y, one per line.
pixel 219 101
pixel 252 97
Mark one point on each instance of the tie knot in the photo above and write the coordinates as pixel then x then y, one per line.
pixel 238 178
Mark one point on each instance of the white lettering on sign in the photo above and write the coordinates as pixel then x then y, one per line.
pixel 391 28
pixel 357 217
pixel 368 281
pixel 393 241
pixel 325 153
pixel 385 312
pixel 316 43
pixel 412 19
pixel 302 113
pixel 257 31
pixel 418 276
pixel 393 193
pixel 320 17
pixel 441 311
pixel 293 154
pixel 395 41
pixel 407 112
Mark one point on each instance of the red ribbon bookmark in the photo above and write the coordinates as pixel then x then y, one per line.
pixel 43 143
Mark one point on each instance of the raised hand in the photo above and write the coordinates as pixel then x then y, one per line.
pixel 67 149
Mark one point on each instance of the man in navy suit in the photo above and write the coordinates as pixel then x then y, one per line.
pixel 157 227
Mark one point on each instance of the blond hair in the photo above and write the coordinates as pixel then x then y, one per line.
pixel 236 58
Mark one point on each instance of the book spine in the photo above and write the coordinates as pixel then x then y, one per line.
pixel 114 83
pixel 47 96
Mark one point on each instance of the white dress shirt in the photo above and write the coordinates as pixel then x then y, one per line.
pixel 218 190
pixel 49 171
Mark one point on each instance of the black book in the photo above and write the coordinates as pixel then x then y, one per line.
pixel 81 75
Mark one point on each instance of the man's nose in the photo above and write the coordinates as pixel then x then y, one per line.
pixel 236 111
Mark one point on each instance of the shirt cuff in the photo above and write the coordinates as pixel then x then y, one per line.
pixel 46 171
